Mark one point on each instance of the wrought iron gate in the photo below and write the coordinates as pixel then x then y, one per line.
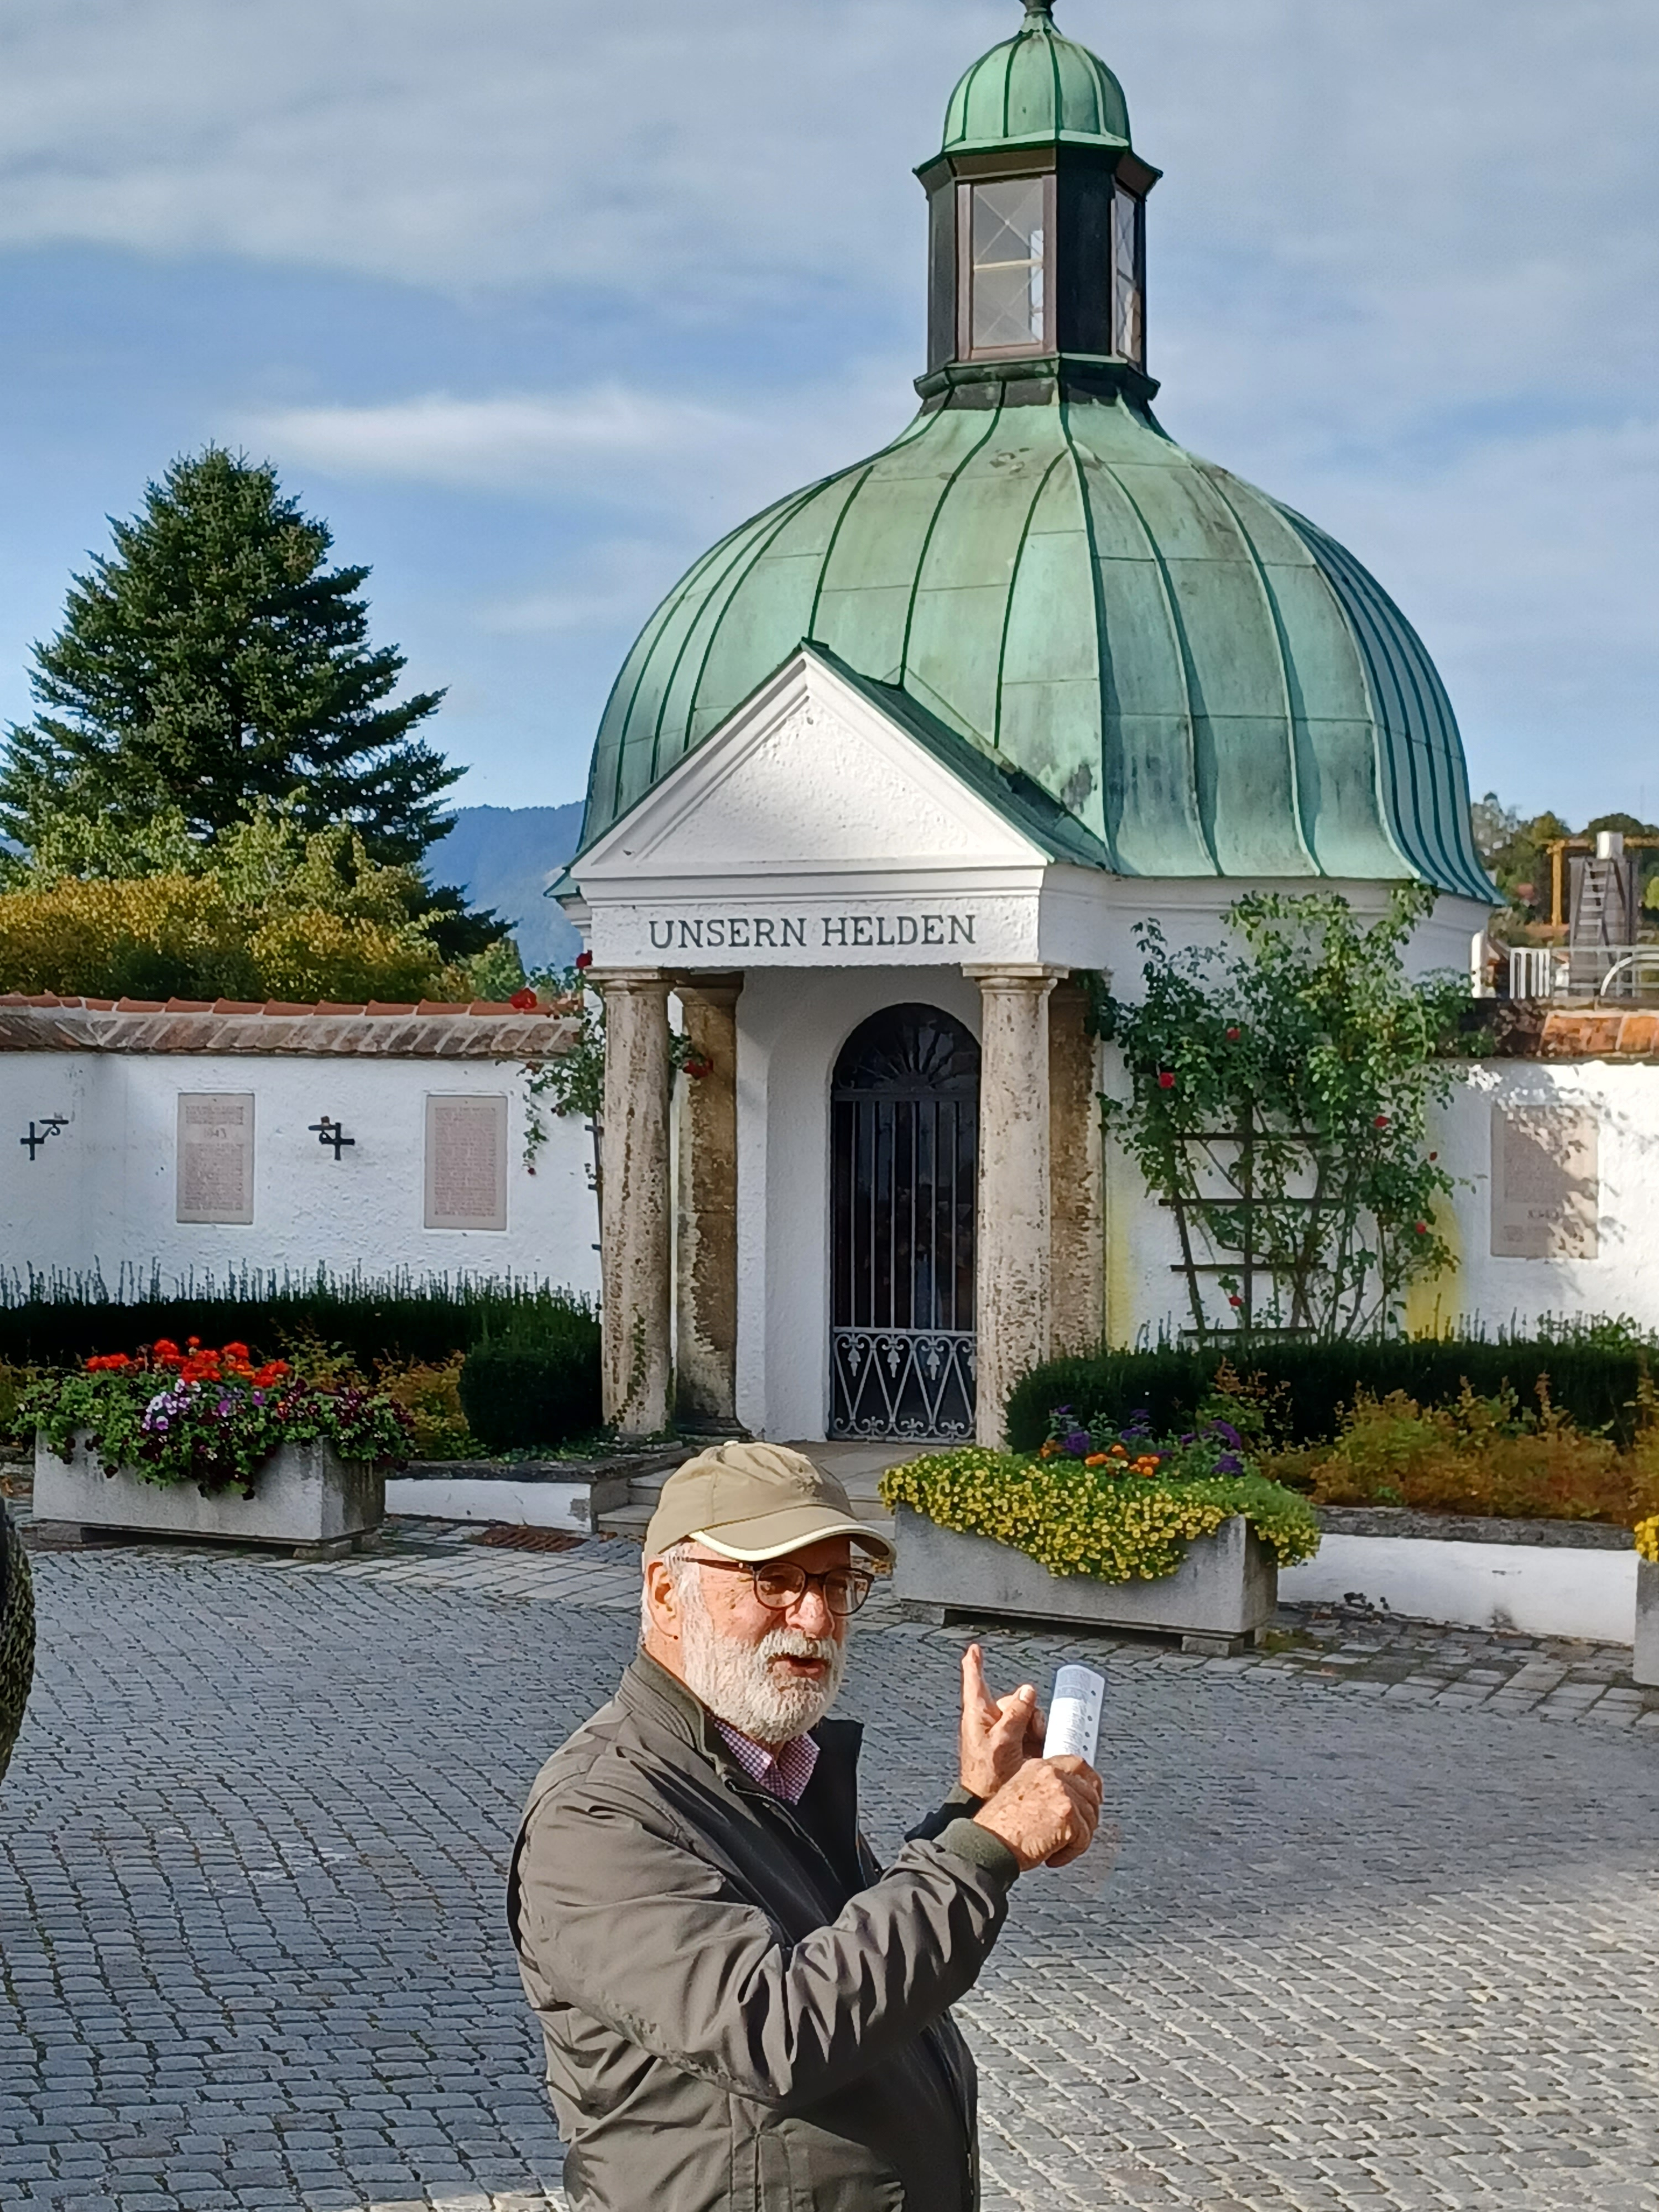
pixel 904 1157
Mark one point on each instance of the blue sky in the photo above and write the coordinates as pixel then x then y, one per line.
pixel 531 299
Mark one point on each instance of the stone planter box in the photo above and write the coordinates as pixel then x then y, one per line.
pixel 306 1497
pixel 1221 1598
pixel 1645 1667
pixel 532 1493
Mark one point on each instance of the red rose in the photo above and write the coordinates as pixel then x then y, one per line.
pixel 1233 1035
pixel 1234 1300
pixel 523 1002
pixel 1381 1122
pixel 1165 1081
pixel 1421 1227
pixel 584 960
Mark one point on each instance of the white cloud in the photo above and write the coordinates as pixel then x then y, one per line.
pixel 616 446
pixel 1405 270
pixel 515 441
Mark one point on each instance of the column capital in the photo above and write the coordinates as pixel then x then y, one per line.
pixel 1014 975
pixel 714 990
pixel 642 980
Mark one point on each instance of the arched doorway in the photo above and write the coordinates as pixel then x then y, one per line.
pixel 904 1159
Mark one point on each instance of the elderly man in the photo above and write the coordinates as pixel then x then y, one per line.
pixel 740 2008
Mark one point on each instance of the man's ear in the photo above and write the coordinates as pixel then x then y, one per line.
pixel 662 1600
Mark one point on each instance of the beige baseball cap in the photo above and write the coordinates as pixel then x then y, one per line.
pixel 755 1502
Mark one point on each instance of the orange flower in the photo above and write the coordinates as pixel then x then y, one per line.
pixel 1118 1452
pixel 1098 1459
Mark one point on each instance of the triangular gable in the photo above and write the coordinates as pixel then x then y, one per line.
pixel 816 774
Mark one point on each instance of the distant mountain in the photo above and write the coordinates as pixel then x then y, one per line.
pixel 505 857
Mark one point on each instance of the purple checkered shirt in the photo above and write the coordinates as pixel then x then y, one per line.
pixel 783 1773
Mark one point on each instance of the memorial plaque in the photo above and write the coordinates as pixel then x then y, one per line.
pixel 1546 1183
pixel 466 1162
pixel 216 1156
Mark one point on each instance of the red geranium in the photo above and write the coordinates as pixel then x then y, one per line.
pixel 584 960
pixel 1165 1079
pixel 524 1002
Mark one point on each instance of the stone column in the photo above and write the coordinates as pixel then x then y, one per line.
pixel 635 1220
pixel 706 1248
pixel 1014 1259
pixel 1077 1206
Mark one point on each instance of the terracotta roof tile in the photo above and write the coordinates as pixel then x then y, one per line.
pixel 239 1005
pixel 276 1007
pixel 189 1005
pixel 141 1006
pixel 333 1006
pixel 387 1006
pixel 1580 1035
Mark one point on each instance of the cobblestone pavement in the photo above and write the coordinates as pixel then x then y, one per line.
pixel 1376 1934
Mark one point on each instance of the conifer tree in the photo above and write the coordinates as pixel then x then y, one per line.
pixel 213 662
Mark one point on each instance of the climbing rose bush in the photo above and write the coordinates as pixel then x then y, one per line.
pixel 209 1416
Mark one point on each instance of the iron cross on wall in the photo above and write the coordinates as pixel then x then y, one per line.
pixel 51 1125
pixel 332 1133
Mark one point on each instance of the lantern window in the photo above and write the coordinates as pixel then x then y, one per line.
pixel 1009 230
pixel 1128 276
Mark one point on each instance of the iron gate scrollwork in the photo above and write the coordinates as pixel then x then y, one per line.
pixel 904 1145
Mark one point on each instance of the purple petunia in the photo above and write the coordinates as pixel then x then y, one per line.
pixel 1226 1429
pixel 1230 1463
pixel 1078 1443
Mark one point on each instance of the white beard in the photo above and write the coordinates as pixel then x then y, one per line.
pixel 737 1682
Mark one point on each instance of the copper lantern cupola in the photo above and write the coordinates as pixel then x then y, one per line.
pixel 1037 204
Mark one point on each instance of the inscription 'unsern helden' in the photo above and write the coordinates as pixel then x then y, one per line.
pixel 742 932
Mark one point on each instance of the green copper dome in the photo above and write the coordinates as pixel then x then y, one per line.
pixel 1207 683
pixel 1036 88
pixel 1181 676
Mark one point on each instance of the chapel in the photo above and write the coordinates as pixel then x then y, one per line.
pixel 902 759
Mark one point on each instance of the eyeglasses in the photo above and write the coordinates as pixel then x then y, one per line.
pixel 779 1585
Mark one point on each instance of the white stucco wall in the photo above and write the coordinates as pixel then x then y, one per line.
pixel 103 1193
pixel 1146 1295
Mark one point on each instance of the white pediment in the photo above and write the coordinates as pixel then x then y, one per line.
pixel 808 777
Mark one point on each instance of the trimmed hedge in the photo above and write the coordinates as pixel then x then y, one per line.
pixel 58 1322
pixel 529 1392
pixel 1594 1382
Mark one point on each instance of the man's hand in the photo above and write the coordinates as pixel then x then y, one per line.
pixel 998 1735
pixel 1048 1814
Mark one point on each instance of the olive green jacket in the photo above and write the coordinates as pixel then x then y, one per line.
pixel 16 1637
pixel 741 2011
